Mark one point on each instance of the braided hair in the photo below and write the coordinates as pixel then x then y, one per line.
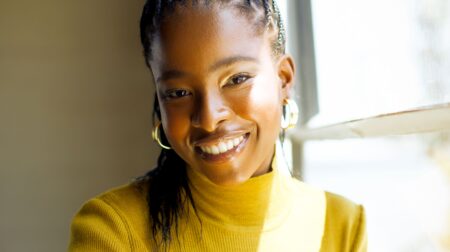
pixel 168 190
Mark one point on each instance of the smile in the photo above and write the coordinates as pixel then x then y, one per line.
pixel 223 149
pixel 222 146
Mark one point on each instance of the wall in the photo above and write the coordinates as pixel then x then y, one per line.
pixel 75 113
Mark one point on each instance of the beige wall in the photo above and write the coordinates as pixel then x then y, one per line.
pixel 75 106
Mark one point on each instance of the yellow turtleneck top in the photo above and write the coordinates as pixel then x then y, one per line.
pixel 271 212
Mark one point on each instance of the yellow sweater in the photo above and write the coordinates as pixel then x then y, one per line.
pixel 272 212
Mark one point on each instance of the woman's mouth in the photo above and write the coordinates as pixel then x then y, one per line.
pixel 223 149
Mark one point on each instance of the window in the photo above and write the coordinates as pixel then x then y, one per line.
pixel 376 57
pixel 369 73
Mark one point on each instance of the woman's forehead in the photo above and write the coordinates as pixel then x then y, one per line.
pixel 200 36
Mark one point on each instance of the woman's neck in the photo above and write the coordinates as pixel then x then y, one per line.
pixel 258 203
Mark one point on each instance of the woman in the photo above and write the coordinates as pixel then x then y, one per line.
pixel 222 84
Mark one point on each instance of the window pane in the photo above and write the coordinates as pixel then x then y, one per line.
pixel 380 56
pixel 403 183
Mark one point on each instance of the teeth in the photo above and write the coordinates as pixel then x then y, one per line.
pixel 222 147
pixel 230 144
pixel 214 150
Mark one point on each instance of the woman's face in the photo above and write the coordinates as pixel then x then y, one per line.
pixel 220 92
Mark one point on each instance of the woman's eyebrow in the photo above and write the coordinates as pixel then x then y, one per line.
pixel 175 74
pixel 170 74
pixel 231 60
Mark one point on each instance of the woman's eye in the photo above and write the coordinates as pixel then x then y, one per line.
pixel 238 79
pixel 179 93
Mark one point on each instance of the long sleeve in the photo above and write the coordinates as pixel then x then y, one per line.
pixel 99 227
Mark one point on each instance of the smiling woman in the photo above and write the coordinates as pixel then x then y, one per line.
pixel 222 87
pixel 229 89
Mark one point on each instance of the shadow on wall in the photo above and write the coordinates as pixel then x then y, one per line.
pixel 75 113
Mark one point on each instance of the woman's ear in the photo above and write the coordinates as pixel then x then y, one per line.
pixel 286 73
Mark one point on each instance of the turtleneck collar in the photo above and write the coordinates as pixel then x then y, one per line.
pixel 261 202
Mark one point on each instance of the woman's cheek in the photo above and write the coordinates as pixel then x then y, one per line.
pixel 176 124
pixel 264 100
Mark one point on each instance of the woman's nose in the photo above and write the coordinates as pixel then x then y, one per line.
pixel 209 112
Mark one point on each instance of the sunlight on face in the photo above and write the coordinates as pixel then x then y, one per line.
pixel 220 92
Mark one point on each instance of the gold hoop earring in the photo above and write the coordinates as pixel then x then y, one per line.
pixel 289 117
pixel 155 136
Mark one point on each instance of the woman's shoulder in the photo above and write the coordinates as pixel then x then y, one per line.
pixel 115 220
pixel 128 201
pixel 345 225
pixel 343 220
pixel 124 196
pixel 336 203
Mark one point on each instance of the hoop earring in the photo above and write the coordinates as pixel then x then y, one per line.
pixel 289 117
pixel 155 136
